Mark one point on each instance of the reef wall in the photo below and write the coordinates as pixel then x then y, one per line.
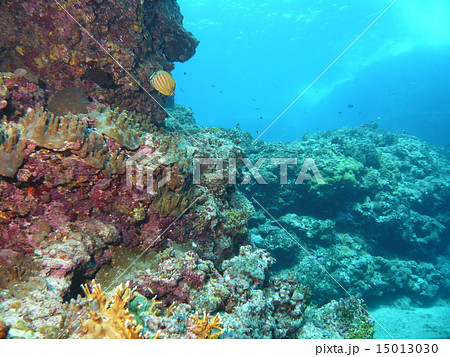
pixel 52 61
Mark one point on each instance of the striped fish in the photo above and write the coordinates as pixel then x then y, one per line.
pixel 163 82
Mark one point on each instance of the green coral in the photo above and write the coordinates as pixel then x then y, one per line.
pixel 340 169
pixel 355 318
pixel 364 329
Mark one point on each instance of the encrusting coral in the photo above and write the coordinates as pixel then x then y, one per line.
pixel 69 100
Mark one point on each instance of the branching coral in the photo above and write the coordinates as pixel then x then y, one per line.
pixel 156 309
pixel 206 327
pixel 111 319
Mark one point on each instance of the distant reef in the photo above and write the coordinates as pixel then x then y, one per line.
pixel 379 224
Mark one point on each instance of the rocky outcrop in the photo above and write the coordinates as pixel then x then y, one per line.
pixel 96 50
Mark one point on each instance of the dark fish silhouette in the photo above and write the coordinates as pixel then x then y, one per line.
pixel 99 76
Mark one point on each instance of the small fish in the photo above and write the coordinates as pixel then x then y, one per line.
pixel 163 82
pixel 350 105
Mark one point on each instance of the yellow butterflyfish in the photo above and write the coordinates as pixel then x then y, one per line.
pixel 163 82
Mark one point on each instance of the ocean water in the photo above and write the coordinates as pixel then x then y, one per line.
pixel 256 57
pixel 346 66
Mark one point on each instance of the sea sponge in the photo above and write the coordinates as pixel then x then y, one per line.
pixel 12 149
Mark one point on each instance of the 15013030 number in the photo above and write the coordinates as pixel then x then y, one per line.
pixel 407 348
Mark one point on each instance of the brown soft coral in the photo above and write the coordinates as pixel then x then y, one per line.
pixel 12 149
pixel 128 129
pixel 53 132
pixel 4 328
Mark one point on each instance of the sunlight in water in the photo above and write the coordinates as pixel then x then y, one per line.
pixel 428 20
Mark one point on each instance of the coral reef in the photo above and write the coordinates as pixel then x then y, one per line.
pixel 380 221
pixel 342 318
pixel 67 204
pixel 92 186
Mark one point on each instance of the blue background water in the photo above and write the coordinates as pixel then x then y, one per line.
pixel 256 57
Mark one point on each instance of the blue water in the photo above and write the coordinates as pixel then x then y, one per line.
pixel 256 57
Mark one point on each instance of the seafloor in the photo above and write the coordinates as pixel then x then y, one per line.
pixel 180 255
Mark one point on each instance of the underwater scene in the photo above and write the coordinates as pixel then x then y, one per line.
pixel 227 169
